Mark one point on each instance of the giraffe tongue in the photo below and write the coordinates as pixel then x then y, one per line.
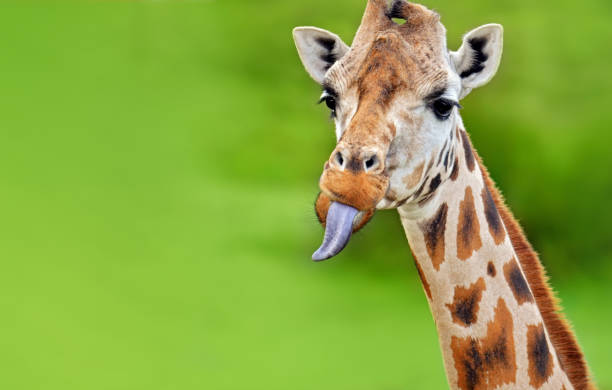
pixel 338 229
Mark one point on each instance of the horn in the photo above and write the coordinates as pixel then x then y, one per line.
pixel 399 9
pixel 415 15
pixel 374 19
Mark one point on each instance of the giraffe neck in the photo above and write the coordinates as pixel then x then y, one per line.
pixel 491 330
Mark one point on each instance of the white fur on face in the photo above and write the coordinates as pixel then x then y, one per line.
pixel 419 139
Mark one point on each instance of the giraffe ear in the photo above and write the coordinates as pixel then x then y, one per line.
pixel 318 49
pixel 478 58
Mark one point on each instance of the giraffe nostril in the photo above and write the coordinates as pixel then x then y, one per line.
pixel 339 159
pixel 371 163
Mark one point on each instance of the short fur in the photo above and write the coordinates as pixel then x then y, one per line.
pixel 387 60
pixel 559 329
pixel 491 361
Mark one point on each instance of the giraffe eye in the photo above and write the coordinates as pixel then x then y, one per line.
pixel 330 102
pixel 442 108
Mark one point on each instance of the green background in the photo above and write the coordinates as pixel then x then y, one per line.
pixel 158 165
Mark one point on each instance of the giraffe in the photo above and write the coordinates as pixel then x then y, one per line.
pixel 401 144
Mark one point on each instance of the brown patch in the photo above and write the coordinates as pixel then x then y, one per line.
pixel 538 355
pixel 488 362
pixel 422 276
pixel 466 302
pixel 496 227
pixel 379 79
pixel 359 190
pixel 433 232
pixel 559 330
pixel 491 269
pixel 413 178
pixel 410 121
pixel 467 148
pixel 455 173
pixel 386 138
pixel 516 281
pixel 322 207
pixel 468 228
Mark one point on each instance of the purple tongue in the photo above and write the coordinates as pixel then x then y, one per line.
pixel 338 229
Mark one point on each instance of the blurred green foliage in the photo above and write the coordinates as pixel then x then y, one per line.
pixel 160 160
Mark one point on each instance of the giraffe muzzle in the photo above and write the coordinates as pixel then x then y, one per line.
pixel 352 184
pixel 347 202
pixel 357 189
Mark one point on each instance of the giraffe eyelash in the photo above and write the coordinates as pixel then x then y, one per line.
pixel 329 98
pixel 443 108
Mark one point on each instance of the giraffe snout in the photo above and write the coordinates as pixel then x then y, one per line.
pixel 357 160
pixel 355 176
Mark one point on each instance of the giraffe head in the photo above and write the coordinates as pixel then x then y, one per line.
pixel 394 97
